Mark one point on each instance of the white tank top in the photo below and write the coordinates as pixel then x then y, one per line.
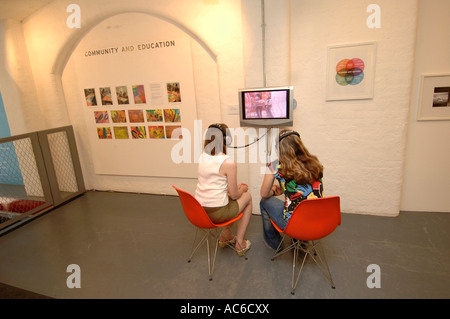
pixel 212 187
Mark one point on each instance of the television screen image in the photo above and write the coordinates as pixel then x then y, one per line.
pixel 265 105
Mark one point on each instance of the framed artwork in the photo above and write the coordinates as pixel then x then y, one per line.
pixel 434 100
pixel 351 71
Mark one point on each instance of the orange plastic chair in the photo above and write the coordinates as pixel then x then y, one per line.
pixel 199 218
pixel 312 220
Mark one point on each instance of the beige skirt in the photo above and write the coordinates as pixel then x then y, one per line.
pixel 224 213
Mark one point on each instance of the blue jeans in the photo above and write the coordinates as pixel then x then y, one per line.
pixel 272 208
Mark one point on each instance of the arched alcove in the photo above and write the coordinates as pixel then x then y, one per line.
pixel 136 49
pixel 71 44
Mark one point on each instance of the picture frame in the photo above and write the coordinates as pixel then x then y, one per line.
pixel 351 71
pixel 434 99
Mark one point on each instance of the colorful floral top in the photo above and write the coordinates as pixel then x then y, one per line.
pixel 295 193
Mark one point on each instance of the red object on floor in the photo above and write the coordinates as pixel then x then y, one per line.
pixel 23 205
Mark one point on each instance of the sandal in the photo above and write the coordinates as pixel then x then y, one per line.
pixel 241 252
pixel 227 242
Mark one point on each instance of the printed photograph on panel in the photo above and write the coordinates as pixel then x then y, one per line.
pixel 104 133
pixel 138 132
pixel 101 117
pixel 173 92
pixel 154 116
pixel 121 132
pixel 139 94
pixel 89 94
pixel 136 116
pixel 172 115
pixel 122 95
pixel 173 132
pixel 156 132
pixel 105 94
pixel 118 116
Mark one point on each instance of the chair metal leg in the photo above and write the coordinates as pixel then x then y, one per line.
pixel 279 253
pixel 193 250
pixel 209 236
pixel 323 265
pixel 311 251
pixel 209 256
pixel 211 267
pixel 294 266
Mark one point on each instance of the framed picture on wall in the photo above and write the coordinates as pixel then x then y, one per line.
pixel 434 100
pixel 351 71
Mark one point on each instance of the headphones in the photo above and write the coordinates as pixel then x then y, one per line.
pixel 286 134
pixel 227 140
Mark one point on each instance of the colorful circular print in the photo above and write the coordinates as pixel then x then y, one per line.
pixel 350 71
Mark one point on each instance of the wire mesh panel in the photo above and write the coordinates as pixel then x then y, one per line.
pixel 37 172
pixel 62 162
pixel 21 190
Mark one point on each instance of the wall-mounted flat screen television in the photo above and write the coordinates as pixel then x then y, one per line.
pixel 266 107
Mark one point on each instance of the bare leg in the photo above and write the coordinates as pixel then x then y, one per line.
pixel 227 234
pixel 245 206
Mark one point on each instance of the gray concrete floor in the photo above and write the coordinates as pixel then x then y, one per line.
pixel 136 246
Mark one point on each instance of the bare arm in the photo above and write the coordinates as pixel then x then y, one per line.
pixel 229 169
pixel 268 188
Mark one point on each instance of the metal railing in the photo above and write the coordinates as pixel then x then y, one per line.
pixel 38 171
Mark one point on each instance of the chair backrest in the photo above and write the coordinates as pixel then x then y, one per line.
pixel 193 210
pixel 314 219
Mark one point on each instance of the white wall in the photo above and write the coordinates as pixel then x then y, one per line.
pixel 361 143
pixel 16 81
pixel 215 27
pixel 426 184
pixel 266 62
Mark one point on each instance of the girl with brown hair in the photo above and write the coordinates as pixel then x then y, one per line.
pixel 218 191
pixel 299 176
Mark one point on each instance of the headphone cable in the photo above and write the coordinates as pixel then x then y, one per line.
pixel 235 147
